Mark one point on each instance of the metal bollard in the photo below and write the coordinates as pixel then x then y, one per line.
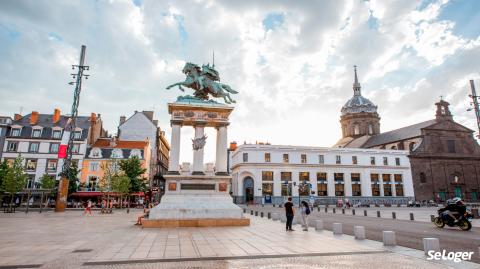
pixel 394 215
pixel 269 215
pixel 343 211
pixel 273 205
pixel 326 209
pixel 333 210
pixel 365 213
pixel 389 238
pixel 359 232
pixel 318 225
pixel 431 244
pixel 256 213
pixel 337 228
pixel 318 209
pixel 244 210
pixel 432 218
pixel 251 212
pixel 378 214
pixel 353 212
pixel 411 216
pixel 261 214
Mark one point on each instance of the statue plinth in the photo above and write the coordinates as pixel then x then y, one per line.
pixel 197 196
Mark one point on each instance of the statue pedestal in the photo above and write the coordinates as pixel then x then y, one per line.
pixel 197 198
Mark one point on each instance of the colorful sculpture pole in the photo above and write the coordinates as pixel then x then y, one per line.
pixel 66 146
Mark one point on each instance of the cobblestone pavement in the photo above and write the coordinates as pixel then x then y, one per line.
pixel 70 240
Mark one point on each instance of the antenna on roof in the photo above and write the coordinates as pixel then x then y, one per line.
pixel 213 59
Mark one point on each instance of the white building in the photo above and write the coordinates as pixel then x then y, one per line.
pixel 36 137
pixel 328 174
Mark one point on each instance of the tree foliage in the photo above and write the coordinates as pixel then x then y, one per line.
pixel 3 172
pixel 14 178
pixel 47 182
pixel 121 184
pixel 133 169
pixel 72 176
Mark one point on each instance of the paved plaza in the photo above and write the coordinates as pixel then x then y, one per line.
pixel 70 240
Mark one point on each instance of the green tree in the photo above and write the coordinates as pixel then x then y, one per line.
pixel 3 172
pixel 14 179
pixel 72 175
pixel 121 184
pixel 133 169
pixel 47 182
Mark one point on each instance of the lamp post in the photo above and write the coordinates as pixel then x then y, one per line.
pixel 475 105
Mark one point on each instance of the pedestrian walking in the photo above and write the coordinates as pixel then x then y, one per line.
pixel 88 208
pixel 289 212
pixel 305 212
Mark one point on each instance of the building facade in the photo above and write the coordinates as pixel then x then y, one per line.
pixel 36 137
pixel 273 172
pixel 106 153
pixel 5 123
pixel 444 155
pixel 163 153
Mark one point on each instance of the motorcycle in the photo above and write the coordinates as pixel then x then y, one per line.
pixel 463 221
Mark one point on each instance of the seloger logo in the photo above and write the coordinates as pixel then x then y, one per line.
pixel 455 256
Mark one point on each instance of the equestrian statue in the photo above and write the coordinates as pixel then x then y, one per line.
pixel 205 81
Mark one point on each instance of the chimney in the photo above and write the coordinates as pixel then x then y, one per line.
pixel 122 119
pixel 17 117
pixel 56 115
pixel 233 146
pixel 34 118
pixel 93 117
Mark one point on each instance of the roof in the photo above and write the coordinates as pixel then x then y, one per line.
pixel 358 104
pixel 105 143
pixel 398 134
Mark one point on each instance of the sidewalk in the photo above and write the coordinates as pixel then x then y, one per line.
pixel 70 240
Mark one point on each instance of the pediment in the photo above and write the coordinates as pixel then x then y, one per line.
pixel 450 126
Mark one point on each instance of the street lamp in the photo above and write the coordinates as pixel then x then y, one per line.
pixel 475 105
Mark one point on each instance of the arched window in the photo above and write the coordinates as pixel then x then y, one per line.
pixel 393 147
pixel 95 153
pixel 117 153
pixel 356 130
pixel 370 129
pixel 136 152
pixel 423 178
pixel 411 146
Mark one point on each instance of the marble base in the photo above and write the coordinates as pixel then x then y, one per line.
pixel 161 223
pixel 196 206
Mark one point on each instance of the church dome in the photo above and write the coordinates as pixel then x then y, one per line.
pixel 358 103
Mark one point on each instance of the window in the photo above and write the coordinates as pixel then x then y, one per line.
pixel 370 129
pixel 95 153
pixel 339 189
pixel 286 178
pixel 135 152
pixel 245 157
pixel 474 195
pixel 321 176
pixel 285 158
pixel 92 183
pixel 356 130
pixel 303 158
pixel 372 160
pixel 31 165
pixel 338 176
pixel 423 178
pixel 36 133
pixel 267 176
pixel 267 157
pixel 354 159
pixel 375 184
pixel 15 132
pixel 93 166
pixel 387 185
pixel 338 159
pixel 117 153
pixel 356 185
pixel 12 146
pixel 57 134
pixel 51 165
pixel 54 147
pixel 304 187
pixel 397 161
pixel 33 147
pixel 322 189
pixel 398 184
pixel 267 189
pixel 451 146
pixel 321 159
pixel 385 160
pixel 355 177
pixel 411 146
pixel 75 148
pixel 78 135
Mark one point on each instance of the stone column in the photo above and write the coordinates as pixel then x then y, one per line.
pixel 331 184
pixel 221 158
pixel 198 154
pixel 382 193
pixel 173 161
pixel 348 184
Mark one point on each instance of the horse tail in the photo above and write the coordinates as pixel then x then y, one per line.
pixel 228 89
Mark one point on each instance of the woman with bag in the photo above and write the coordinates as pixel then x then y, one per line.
pixel 305 212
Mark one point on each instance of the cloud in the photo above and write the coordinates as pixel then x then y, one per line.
pixel 291 61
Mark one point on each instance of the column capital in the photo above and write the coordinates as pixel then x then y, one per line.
pixel 199 124
pixel 175 122
pixel 223 124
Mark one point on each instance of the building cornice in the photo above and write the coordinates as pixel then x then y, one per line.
pixel 304 165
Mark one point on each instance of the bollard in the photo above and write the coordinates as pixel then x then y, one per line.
pixel 343 211
pixel 244 210
pixel 365 213
pixel 273 205
pixel 280 205
pixel 318 209
pixel 326 209
pixel 378 214
pixel 411 216
pixel 269 215
pixel 318 225
pixel 251 212
pixel 333 210
pixel 432 218
pixel 337 228
pixel 263 205
pixel 394 215
pixel 261 214
pixel 389 238
pixel 431 244
pixel 359 232
pixel 256 213
pixel 353 212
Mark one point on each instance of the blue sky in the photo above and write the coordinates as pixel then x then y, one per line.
pixel 291 61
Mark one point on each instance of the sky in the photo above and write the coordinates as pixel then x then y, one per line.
pixel 291 61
